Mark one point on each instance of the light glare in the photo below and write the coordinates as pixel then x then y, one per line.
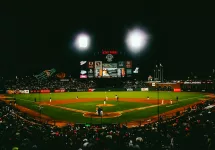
pixel 82 41
pixel 136 40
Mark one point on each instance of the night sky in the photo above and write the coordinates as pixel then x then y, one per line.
pixel 31 43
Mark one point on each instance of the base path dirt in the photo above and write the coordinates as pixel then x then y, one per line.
pixel 81 100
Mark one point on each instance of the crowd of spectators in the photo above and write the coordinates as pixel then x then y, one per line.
pixel 195 129
pixel 34 84
pixel 134 84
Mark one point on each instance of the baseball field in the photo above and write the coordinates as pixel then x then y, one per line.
pixel 131 105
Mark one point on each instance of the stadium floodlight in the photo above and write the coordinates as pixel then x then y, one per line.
pixel 82 41
pixel 136 40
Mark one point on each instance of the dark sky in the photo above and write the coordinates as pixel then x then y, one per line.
pixel 30 43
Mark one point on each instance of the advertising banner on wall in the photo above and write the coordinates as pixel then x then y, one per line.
pixel 128 64
pixel 130 89
pixel 177 90
pixel 98 69
pixel 121 64
pixel 34 91
pixel 17 91
pixel 90 73
pixel 91 90
pixel 44 91
pixel 90 64
pixel 98 64
pixel 82 90
pixel 59 91
pixel 24 91
pixel 144 89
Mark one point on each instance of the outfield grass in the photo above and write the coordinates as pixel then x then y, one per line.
pixel 27 100
pixel 132 94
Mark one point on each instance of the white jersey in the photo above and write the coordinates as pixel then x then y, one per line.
pixel 106 98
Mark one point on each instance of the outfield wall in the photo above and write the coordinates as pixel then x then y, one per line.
pixel 74 90
pixel 96 90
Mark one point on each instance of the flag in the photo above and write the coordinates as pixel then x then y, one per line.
pixel 156 66
pixel 161 65
pixel 45 74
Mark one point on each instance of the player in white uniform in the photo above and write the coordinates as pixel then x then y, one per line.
pixel 116 97
pixel 76 97
pixel 170 101
pixel 162 102
pixel 50 100
pixel 105 102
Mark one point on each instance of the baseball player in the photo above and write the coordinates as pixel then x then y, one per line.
pixel 162 102
pixel 116 97
pixel 50 100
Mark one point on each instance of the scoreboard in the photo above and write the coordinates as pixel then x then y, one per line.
pixel 100 69
pixel 107 65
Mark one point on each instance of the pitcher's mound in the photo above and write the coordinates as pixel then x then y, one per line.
pixel 105 105
pixel 105 115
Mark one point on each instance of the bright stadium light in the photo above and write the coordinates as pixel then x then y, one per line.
pixel 136 40
pixel 82 41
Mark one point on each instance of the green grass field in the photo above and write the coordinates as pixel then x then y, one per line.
pixel 27 100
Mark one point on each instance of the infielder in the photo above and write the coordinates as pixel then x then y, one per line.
pixel 162 102
pixel 116 97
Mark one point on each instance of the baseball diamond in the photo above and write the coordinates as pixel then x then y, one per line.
pixel 130 107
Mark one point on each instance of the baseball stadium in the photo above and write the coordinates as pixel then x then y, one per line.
pixel 103 99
